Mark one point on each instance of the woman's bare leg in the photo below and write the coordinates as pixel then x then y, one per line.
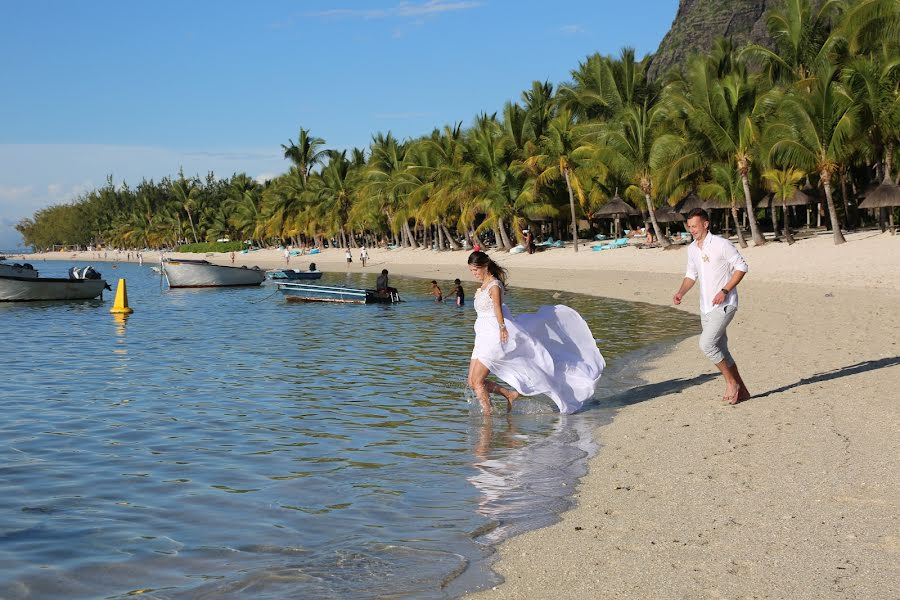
pixel 477 381
pixel 510 395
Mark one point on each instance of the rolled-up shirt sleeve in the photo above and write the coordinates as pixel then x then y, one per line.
pixel 735 259
pixel 691 272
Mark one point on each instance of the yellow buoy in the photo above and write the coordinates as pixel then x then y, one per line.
pixel 120 306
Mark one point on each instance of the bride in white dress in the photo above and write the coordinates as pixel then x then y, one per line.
pixel 549 352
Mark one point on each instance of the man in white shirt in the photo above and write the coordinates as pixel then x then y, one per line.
pixel 719 267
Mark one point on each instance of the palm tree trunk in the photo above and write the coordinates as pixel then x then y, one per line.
pixel 504 236
pixel 663 240
pixel 572 206
pixel 787 224
pixel 835 225
pixel 758 239
pixel 409 235
pixel 440 238
pixel 774 208
pixel 450 240
pixel 737 226
pixel 847 215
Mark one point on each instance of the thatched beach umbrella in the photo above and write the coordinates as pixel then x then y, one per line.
pixel 666 214
pixel 886 195
pixel 692 201
pixel 616 208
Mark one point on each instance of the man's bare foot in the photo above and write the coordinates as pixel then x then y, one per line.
pixel 743 394
pixel 731 394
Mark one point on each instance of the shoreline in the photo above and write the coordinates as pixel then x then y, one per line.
pixel 795 493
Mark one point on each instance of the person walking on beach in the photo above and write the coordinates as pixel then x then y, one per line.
pixel 459 292
pixel 719 267
pixel 232 257
pixel 349 257
pixel 436 291
pixel 550 352
pixel 363 256
pixel 287 256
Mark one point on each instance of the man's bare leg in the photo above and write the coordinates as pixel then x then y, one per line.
pixel 743 392
pixel 732 387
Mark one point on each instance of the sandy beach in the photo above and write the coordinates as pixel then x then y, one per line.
pixel 792 494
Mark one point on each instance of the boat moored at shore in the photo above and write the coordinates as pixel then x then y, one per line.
pixel 201 273
pixel 81 284
pixel 305 292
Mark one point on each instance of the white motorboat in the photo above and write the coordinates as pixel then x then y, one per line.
pixel 201 273
pixel 81 284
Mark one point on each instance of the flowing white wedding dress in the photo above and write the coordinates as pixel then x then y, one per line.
pixel 551 351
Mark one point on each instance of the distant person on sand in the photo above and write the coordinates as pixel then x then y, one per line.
pixel 436 291
pixel 287 256
pixel 459 292
pixel 550 352
pixel 363 256
pixel 349 257
pixel 719 267
pixel 232 257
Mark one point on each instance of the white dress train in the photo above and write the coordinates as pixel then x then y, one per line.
pixel 551 351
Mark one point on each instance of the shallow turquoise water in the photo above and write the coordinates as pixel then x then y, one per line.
pixel 224 443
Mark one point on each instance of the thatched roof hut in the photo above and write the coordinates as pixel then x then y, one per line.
pixel 616 207
pixel 692 201
pixel 885 195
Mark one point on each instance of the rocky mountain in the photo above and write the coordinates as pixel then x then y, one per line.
pixel 699 22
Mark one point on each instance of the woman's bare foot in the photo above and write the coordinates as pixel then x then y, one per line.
pixel 510 395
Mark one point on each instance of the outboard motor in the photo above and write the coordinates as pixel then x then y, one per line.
pixel 74 273
pixel 89 273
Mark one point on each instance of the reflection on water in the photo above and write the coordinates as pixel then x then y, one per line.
pixel 222 443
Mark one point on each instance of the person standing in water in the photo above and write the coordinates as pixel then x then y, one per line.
pixel 551 351
pixel 459 292
pixel 436 291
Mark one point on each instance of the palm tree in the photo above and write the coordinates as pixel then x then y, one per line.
pixel 187 193
pixel 305 154
pixel 637 150
pixel 604 86
pixel 802 39
pixel 727 113
pixel 334 195
pixel 783 184
pixel 727 188
pixel 560 158
pixel 816 131
pixel 385 187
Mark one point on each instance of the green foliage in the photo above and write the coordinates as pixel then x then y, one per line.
pixel 211 247
pixel 821 96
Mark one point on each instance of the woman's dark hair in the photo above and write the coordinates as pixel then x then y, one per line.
pixel 480 259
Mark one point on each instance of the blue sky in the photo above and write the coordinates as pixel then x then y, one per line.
pixel 139 89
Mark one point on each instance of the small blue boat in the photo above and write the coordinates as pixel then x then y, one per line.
pixel 308 292
pixel 292 275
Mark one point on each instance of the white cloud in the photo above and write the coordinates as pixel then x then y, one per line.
pixel 572 29
pixel 403 10
pixel 9 193
pixel 264 177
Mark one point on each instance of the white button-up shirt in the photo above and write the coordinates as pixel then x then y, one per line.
pixel 712 267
